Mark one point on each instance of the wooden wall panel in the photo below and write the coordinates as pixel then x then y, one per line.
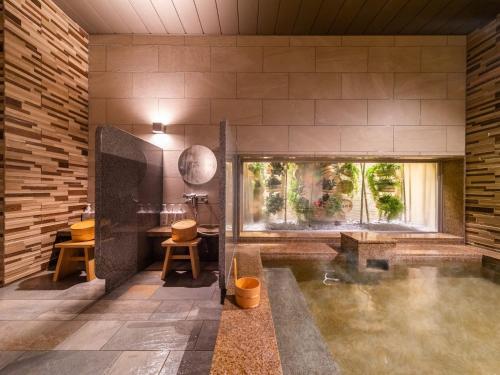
pixel 483 137
pixel 46 131
pixel 2 146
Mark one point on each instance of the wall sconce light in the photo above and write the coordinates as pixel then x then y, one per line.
pixel 157 128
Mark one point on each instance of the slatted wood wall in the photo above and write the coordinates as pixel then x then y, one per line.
pixel 45 130
pixel 2 147
pixel 483 137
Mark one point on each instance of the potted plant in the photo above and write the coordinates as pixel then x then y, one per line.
pixel 390 206
pixel 274 203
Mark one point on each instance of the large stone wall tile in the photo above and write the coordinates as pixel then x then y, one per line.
pixel 131 111
pixel 420 139
pixel 376 139
pixel 341 112
pixel 317 139
pixel 289 59
pixel 211 40
pixel 184 59
pixel 456 85
pixel 132 58
pixel 393 112
pixel 449 59
pixel 420 85
pixel 367 85
pixel 420 40
pixel 341 59
pixel 315 85
pixel 288 112
pixel 263 40
pixel 161 85
pixel 262 139
pixel 210 85
pixel 394 59
pixel 367 40
pixel 455 139
pixel 262 85
pixel 97 58
pixel 184 111
pixel 206 135
pixel 315 41
pixel 110 85
pixel 443 112
pixel 97 112
pixel 236 59
pixel 237 111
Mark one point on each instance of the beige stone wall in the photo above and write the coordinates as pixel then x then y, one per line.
pixel 328 95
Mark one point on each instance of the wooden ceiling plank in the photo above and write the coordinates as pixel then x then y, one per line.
pixel 447 13
pixel 167 13
pixel 366 14
pixel 431 9
pixel 97 25
pixel 228 16
pixel 247 16
pixel 148 15
pixel 266 19
pixel 75 16
pixel 110 15
pixel 327 13
pixel 287 14
pixel 346 15
pixel 207 11
pixel 476 14
pixel 307 14
pixel 189 16
pixel 388 12
pixel 128 14
pixel 404 16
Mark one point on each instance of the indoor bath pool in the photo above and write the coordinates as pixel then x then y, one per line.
pixel 420 319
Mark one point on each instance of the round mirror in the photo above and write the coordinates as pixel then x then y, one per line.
pixel 197 165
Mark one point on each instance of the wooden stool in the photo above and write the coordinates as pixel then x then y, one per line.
pixel 69 257
pixel 193 255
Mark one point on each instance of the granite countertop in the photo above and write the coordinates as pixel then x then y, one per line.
pixel 369 237
pixel 246 341
pixel 166 231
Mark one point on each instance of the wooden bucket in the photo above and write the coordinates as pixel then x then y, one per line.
pixel 247 290
pixel 83 231
pixel 184 230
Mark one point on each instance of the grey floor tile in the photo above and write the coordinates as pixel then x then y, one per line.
pixel 35 335
pixel 24 309
pixel 8 356
pixel 62 362
pixel 172 310
pixel 139 363
pixel 167 293
pixel 171 335
pixel 187 363
pixel 208 335
pixel 205 310
pixel 91 336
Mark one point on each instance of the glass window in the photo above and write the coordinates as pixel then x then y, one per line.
pixel 329 195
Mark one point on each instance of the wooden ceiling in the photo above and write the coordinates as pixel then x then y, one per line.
pixel 318 17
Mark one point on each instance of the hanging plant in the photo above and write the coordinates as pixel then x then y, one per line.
pixel 331 204
pixel 346 187
pixel 256 169
pixel 351 171
pixel 390 206
pixel 277 168
pixel 328 184
pixel 298 203
pixel 273 182
pixel 274 203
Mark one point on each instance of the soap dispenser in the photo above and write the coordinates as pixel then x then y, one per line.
pixel 163 215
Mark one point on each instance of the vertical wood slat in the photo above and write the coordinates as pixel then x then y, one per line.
pixel 483 137
pixel 45 132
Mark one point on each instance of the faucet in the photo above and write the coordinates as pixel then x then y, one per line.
pixel 193 200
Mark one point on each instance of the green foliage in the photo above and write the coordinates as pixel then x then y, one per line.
pixel 390 206
pixel 277 168
pixel 346 187
pixel 352 171
pixel 328 184
pixel 274 203
pixel 332 204
pixel 299 204
pixel 381 178
pixel 256 169
pixel 273 182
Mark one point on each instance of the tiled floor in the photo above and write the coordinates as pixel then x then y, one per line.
pixel 146 326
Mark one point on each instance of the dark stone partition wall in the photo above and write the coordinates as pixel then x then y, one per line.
pixel 227 198
pixel 129 177
pixel 453 197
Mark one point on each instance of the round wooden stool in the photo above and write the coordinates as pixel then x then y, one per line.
pixel 193 255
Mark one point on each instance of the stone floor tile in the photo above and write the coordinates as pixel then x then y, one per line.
pixel 91 336
pixel 35 335
pixel 133 292
pixel 172 310
pixel 208 335
pixel 114 316
pixel 172 335
pixel 8 356
pixel 121 306
pixel 139 363
pixel 147 277
pixel 62 362
pixel 166 293
pixel 24 309
pixel 187 363
pixel 205 310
